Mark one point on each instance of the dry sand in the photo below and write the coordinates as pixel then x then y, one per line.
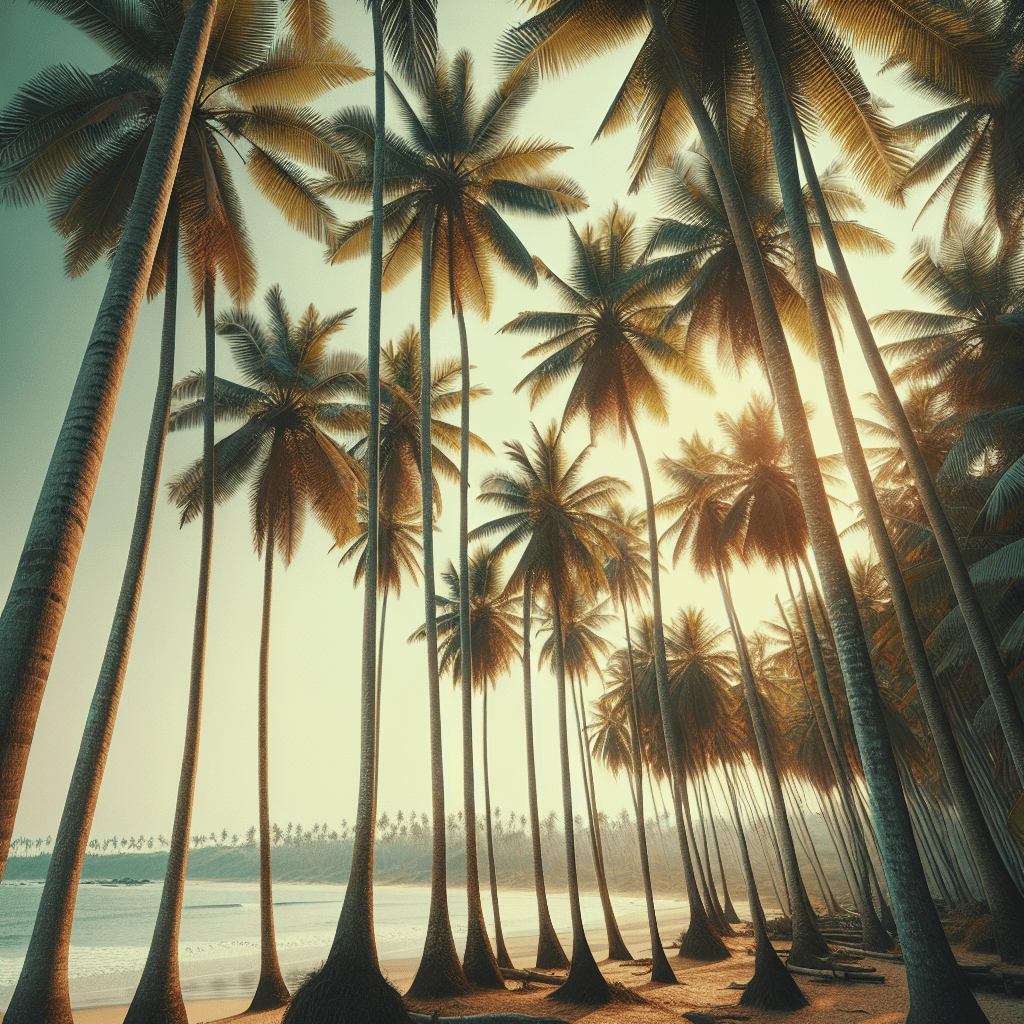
pixel 704 987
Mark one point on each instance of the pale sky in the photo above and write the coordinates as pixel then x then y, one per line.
pixel 45 322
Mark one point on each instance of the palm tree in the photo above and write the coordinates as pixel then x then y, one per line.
pixel 935 985
pixel 549 509
pixel 610 342
pixel 628 576
pixel 582 646
pixel 460 169
pixel 34 611
pixel 82 141
pixel 351 974
pixel 286 407
pixel 42 992
pixel 495 649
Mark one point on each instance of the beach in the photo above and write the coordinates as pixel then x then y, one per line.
pixel 704 987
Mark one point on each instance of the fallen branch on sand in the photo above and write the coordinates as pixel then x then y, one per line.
pixel 838 975
pixel 509 974
pixel 894 957
pixel 486 1018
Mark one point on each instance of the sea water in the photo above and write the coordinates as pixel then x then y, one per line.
pixel 220 930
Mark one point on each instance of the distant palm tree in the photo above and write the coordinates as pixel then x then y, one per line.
pixel 559 519
pixel 495 648
pixel 609 341
pixel 288 407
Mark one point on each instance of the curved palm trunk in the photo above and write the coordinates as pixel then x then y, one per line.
pixel 158 996
pixel 772 987
pixel 808 945
pixel 501 953
pixel 978 626
pixel 729 911
pixel 478 962
pixel 661 969
pixel 714 918
pixel 350 979
pixel 616 944
pixel 549 950
pixel 440 973
pixel 42 992
pixel 700 941
pixel 271 991
pixel 938 991
pixel 714 901
pixel 874 935
pixel 34 611
pixel 585 983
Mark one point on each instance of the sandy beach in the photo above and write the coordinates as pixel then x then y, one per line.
pixel 704 987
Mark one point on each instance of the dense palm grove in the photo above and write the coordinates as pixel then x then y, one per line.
pixel 886 692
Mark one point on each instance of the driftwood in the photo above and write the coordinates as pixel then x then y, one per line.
pixel 541 979
pixel 838 975
pixel 893 957
pixel 486 1018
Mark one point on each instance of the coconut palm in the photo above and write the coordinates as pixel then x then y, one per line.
pixel 288 403
pixel 548 508
pixel 82 142
pixel 628 576
pixel 460 168
pixel 351 975
pixel 583 648
pixel 936 985
pixel 495 649
pixel 609 342
pixel 34 611
pixel 293 387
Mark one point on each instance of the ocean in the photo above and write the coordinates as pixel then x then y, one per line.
pixel 220 930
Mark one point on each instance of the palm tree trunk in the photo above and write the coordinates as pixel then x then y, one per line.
pixel 938 991
pixel 42 992
pixel 729 912
pixel 440 973
pixel 585 983
pixel 700 941
pixel 715 919
pixel 271 991
pixel 549 950
pixel 158 996
pixel 376 714
pixel 351 976
pixel 808 945
pixel 478 961
pixel 661 969
pixel 34 611
pixel 977 623
pixel 874 935
pixel 772 986
pixel 504 960
pixel 712 889
pixel 616 944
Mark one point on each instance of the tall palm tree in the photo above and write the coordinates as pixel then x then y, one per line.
pixel 934 983
pixel 34 610
pixel 558 517
pixel 495 649
pixel 609 342
pixel 42 991
pixel 628 575
pixel 583 646
pixel 351 975
pixel 82 140
pixel 459 170
pixel 288 406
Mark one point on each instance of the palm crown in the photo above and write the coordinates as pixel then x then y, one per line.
pixel 460 163
pixel 608 338
pixel 80 139
pixel 290 404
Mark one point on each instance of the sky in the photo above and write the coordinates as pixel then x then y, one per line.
pixel 45 322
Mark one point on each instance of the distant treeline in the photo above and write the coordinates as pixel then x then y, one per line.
pixel 323 854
